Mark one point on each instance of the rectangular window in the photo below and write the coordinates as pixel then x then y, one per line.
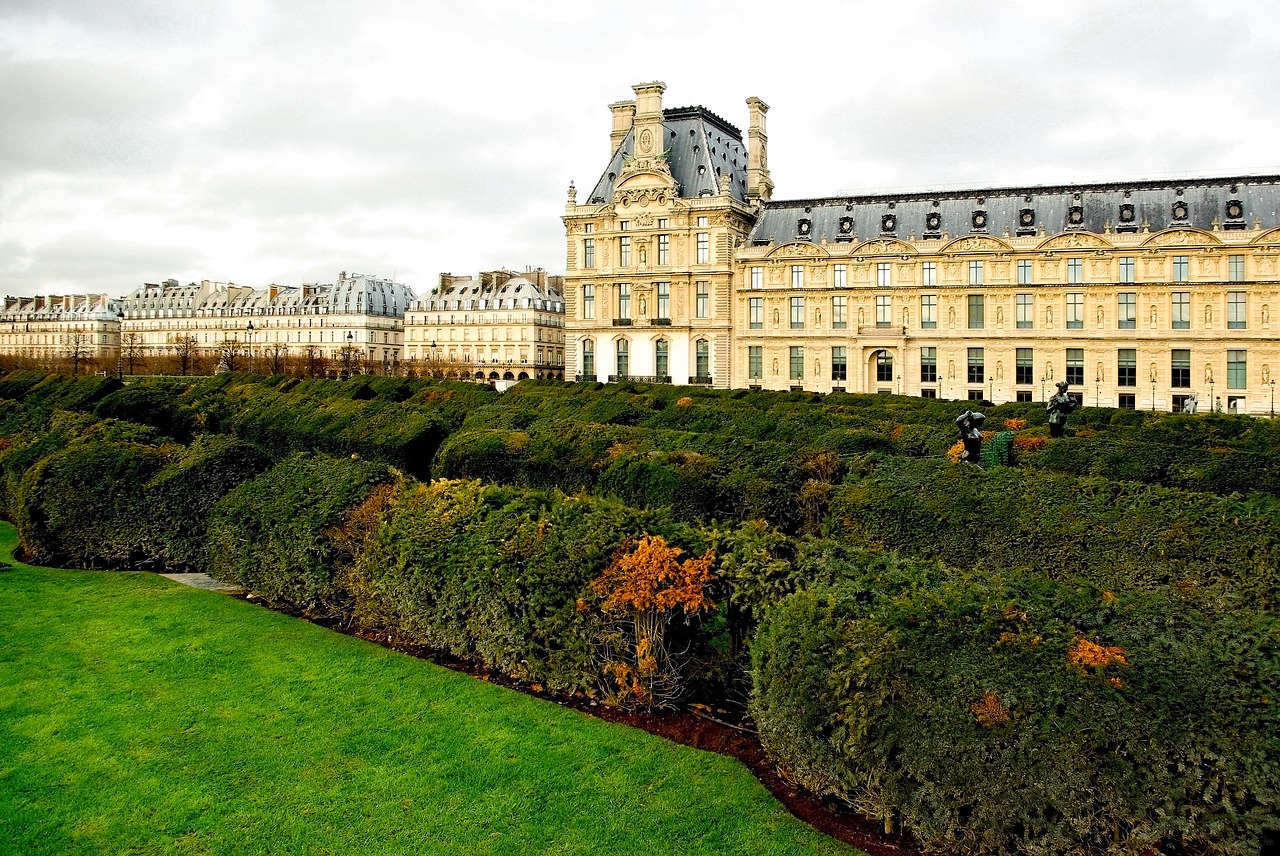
pixel 1235 268
pixel 929 273
pixel 664 300
pixel 1180 364
pixel 842 277
pixel 757 278
pixel 704 248
pixel 839 312
pixel 1127 310
pixel 1075 270
pixel 797 313
pixel 797 363
pixel 1022 395
pixel 1025 308
pixel 882 275
pixel 1075 366
pixel 662 222
pixel 702 222
pixel 976 366
pixel 928 311
pixel 1180 268
pixel 884 310
pixel 589 252
pixel 702 304
pixel 624 300
pixel 1180 308
pixel 1024 271
pixel 1075 311
pixel 755 362
pixel 975 273
pixel 664 249
pixel 1237 363
pixel 1024 366
pixel 1237 309
pixel 755 313
pixel 624 225
pixel 1126 269
pixel 928 365
pixel 624 250
pixel 977 311
pixel 588 301
pixel 839 364
pixel 797 276
pixel 1127 367
pixel 1127 401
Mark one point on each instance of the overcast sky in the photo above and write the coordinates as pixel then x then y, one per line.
pixel 258 142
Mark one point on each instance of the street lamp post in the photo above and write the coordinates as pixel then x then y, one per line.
pixel 119 346
pixel 249 335
pixel 1273 398
pixel 1097 400
pixel 1211 407
pixel 1153 392
pixel 1042 380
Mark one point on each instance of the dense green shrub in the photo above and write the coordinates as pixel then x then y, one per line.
pixel 1012 715
pixel 84 505
pixel 270 536
pixel 147 405
pixel 181 497
pixel 54 391
pixel 1119 535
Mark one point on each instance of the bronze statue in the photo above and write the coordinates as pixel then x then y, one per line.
pixel 1059 407
pixel 970 425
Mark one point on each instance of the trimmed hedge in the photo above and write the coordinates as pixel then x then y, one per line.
pixel 998 715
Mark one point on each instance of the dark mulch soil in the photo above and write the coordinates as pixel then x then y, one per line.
pixel 696 729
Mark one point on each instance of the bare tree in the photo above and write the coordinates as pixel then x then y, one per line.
pixel 230 355
pixel 132 345
pixel 186 353
pixel 351 356
pixel 276 355
pixel 313 361
pixel 78 350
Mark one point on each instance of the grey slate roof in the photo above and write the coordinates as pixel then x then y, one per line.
pixel 1096 205
pixel 700 146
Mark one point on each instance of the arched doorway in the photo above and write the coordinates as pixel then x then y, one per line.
pixel 881 375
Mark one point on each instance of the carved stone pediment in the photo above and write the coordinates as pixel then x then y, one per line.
pixel 798 249
pixel 645 180
pixel 1180 237
pixel 1075 241
pixel 885 246
pixel 1268 237
pixel 977 244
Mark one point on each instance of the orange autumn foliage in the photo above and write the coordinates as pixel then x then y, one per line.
pixel 646 576
pixel 1092 655
pixel 990 711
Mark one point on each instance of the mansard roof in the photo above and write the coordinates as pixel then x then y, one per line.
pixel 699 146
pixel 468 294
pixel 1126 206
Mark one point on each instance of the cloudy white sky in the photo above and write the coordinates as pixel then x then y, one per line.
pixel 255 142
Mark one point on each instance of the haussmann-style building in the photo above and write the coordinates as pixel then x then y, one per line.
pixel 682 268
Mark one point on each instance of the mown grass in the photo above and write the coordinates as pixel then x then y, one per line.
pixel 138 716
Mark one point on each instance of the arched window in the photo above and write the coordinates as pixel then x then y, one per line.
pixel 703 356
pixel 661 362
pixel 884 366
pixel 624 358
pixel 588 358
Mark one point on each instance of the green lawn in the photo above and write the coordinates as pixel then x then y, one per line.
pixel 141 716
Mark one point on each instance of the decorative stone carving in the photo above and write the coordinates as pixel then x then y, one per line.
pixel 885 246
pixel 1075 240
pixel 977 244
pixel 1171 237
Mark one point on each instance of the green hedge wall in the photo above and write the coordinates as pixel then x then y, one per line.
pixel 959 706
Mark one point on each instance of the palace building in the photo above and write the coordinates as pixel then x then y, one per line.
pixel 501 326
pixel 1137 293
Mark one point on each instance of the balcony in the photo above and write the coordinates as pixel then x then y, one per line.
pixel 582 377
pixel 659 322
pixel 630 378
pixel 700 380
pixel 622 322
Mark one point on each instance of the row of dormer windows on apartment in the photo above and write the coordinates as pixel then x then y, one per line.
pixel 264 324
pixel 977 272
pixel 134 310
pixel 13 339
pixel 474 303
pixel 483 334
pixel 155 338
pixel 1025 371
pixel 1126 214
pixel 538 320
pixel 1073 308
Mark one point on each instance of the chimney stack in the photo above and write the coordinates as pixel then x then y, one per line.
pixel 759 185
pixel 624 112
pixel 649 140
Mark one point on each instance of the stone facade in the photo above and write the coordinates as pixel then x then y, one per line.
pixel 77 326
pixel 1138 293
pixel 501 326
